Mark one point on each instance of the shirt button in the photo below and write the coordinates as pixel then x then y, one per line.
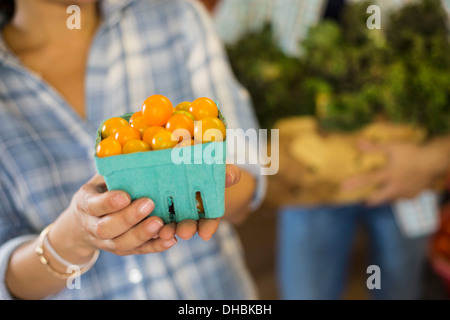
pixel 135 276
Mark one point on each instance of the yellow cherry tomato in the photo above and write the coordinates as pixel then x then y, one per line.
pixel 135 146
pixel 140 125
pixel 209 129
pixel 127 133
pixel 111 126
pixel 163 140
pixel 183 106
pixel 203 108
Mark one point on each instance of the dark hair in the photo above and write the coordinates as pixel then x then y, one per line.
pixel 7 8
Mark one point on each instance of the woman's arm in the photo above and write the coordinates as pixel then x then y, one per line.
pixel 96 218
pixel 100 219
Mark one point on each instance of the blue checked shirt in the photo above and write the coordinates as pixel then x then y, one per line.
pixel 143 47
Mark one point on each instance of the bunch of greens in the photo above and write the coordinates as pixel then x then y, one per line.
pixel 273 79
pixel 349 75
pixel 417 85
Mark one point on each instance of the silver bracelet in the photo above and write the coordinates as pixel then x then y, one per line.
pixel 40 252
pixel 58 257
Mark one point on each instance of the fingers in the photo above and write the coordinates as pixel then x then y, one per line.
pixel 114 224
pixel 155 245
pixel 371 179
pixel 385 189
pixel 94 200
pixel 151 235
pixel 186 229
pixel 383 195
pixel 233 175
pixel 143 238
pixel 207 227
pixel 168 232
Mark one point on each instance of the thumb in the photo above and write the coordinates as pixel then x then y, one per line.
pixel 233 175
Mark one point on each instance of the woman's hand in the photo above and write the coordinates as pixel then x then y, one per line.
pixel 409 170
pixel 100 219
pixel 110 221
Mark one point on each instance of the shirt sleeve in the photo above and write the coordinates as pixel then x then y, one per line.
pixel 419 216
pixel 211 76
pixel 14 231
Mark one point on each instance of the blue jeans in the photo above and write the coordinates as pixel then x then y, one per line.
pixel 314 246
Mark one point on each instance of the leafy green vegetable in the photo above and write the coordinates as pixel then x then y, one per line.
pixel 349 75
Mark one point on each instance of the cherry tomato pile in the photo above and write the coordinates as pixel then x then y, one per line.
pixel 155 126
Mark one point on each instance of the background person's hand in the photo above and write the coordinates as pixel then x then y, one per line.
pixel 409 169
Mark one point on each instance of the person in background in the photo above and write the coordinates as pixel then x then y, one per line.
pixel 290 19
pixel 56 86
pixel 314 244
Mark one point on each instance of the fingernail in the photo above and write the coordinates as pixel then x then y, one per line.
pixel 230 178
pixel 146 206
pixel 120 200
pixel 155 226
pixel 169 243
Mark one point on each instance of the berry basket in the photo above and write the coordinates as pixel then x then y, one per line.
pixel 173 186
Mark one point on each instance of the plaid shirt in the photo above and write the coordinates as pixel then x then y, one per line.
pixel 143 47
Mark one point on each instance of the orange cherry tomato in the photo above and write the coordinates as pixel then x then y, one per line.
pixel 181 121
pixel 108 147
pixel 185 143
pixel 135 146
pixel 140 124
pixel 199 203
pixel 203 108
pixel 112 125
pixel 135 115
pixel 183 106
pixel 156 110
pixel 163 140
pixel 127 133
pixel 209 129
pixel 150 132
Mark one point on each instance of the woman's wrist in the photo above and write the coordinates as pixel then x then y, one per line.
pixel 68 241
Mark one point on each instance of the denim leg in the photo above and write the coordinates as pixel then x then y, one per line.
pixel 401 260
pixel 314 245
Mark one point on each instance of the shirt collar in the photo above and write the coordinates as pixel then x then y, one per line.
pixel 110 10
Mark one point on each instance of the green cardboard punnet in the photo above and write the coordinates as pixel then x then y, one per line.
pixel 171 178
